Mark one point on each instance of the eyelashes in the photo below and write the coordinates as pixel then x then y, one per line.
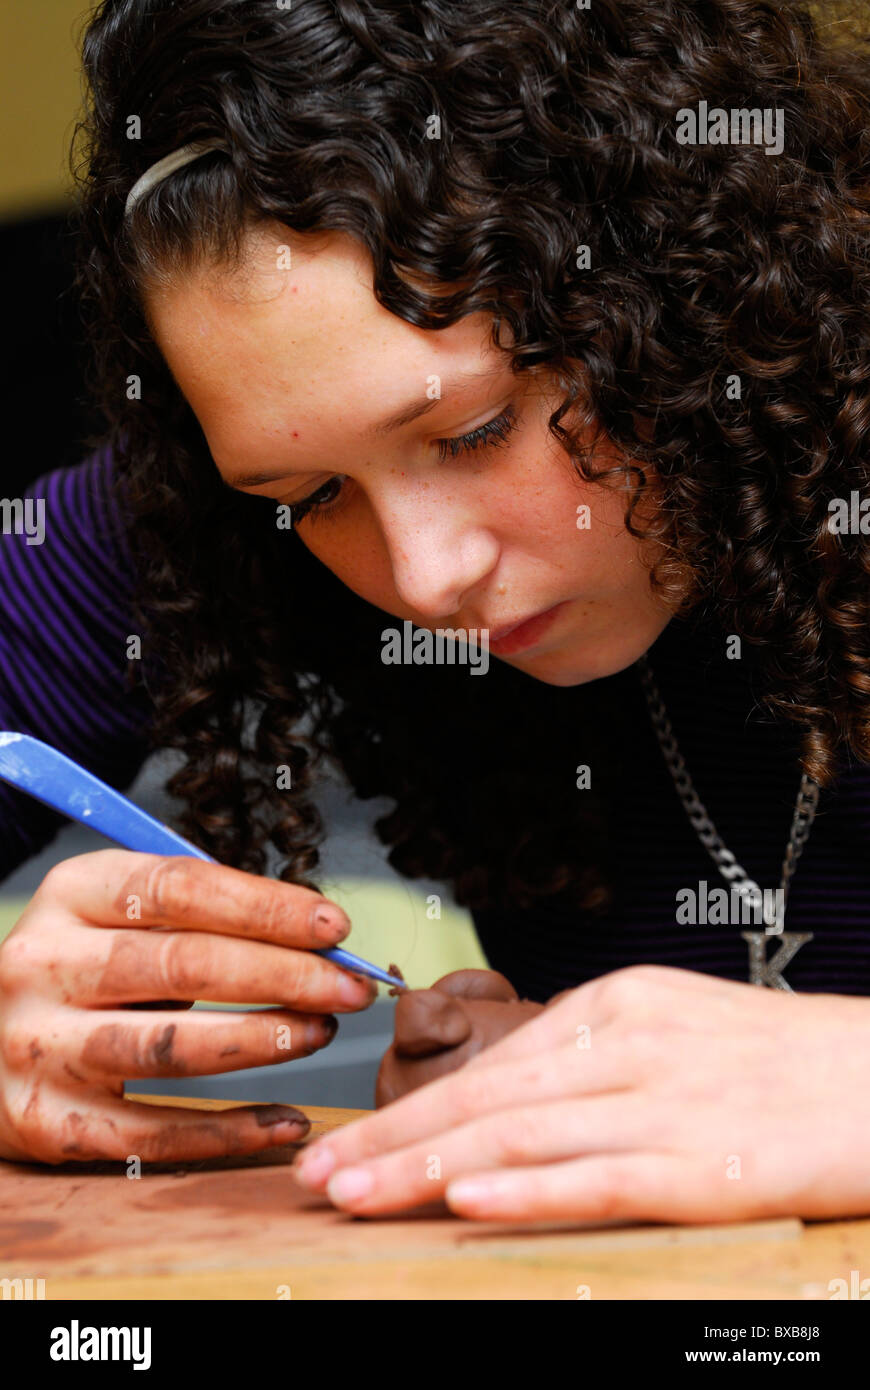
pixel 494 432
pixel 319 501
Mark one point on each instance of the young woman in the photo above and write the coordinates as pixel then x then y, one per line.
pixel 547 321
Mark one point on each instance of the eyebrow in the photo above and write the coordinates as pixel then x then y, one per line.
pixel 413 410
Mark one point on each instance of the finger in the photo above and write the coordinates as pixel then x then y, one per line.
pixel 477 984
pixel 111 888
pixel 640 993
pixel 581 1020
pixel 431 1111
pixel 598 1188
pixel 114 1044
pixel 105 969
pixel 532 1134
pixel 104 1128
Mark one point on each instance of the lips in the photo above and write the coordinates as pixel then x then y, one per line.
pixel 497 634
pixel 519 636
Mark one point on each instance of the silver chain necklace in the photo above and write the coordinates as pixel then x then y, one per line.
pixel 761 971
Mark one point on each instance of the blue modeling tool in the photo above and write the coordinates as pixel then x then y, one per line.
pixel 53 778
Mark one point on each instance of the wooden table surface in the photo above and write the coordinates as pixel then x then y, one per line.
pixel 242 1229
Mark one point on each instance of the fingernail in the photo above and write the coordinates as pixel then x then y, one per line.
pixel 350 1185
pixel 319 1032
pixel 315 1166
pixel 269 1115
pixel 355 990
pixel 329 924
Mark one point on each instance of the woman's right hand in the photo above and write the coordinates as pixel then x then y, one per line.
pixel 86 976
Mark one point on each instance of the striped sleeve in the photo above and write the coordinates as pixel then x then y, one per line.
pixel 66 584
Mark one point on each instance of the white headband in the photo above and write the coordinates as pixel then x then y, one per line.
pixel 166 166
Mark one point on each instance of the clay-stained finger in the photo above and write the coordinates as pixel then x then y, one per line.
pixel 117 887
pixel 61 1129
pixel 109 968
pixel 111 1044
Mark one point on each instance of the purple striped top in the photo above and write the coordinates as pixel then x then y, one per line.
pixel 64 623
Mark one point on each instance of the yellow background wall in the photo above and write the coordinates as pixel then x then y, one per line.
pixel 40 96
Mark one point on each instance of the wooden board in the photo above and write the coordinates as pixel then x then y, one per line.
pixel 241 1228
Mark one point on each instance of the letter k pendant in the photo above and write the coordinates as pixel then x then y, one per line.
pixel 767 972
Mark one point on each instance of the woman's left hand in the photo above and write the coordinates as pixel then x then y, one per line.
pixel 650 1094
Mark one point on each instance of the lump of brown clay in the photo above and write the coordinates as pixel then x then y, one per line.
pixel 394 990
pixel 438 1030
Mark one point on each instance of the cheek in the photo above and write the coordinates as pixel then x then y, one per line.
pixel 578 527
pixel 545 511
pixel 355 552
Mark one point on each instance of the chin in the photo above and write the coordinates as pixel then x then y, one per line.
pixel 569 666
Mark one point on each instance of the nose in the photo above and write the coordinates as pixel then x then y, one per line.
pixel 439 550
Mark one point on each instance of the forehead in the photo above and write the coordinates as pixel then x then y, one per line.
pixel 261 347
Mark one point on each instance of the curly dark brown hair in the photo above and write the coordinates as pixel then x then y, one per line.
pixel 706 261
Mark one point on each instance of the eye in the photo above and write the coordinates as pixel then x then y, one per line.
pixel 319 501
pixel 493 432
